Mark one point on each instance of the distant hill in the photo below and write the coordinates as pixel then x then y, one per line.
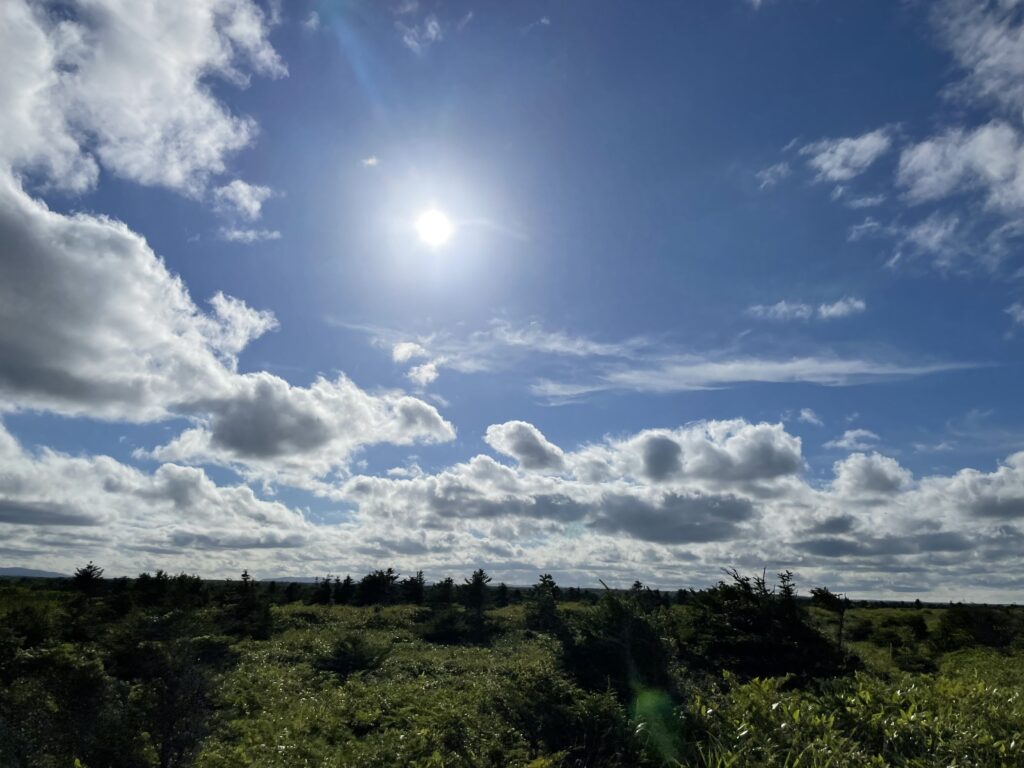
pixel 29 573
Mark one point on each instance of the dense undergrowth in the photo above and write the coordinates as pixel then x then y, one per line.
pixel 172 671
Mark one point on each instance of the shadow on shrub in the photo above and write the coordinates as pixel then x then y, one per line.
pixel 353 653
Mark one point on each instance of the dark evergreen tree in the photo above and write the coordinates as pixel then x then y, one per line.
pixel 88 579
pixel 414 588
pixel 501 596
pixel 542 608
pixel 344 591
pixel 474 591
pixel 377 588
pixel 323 592
pixel 444 590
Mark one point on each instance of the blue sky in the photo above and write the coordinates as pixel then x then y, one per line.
pixel 728 284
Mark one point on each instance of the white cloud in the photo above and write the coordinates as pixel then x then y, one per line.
pixel 842 308
pixel 423 374
pixel 985 38
pixel 88 90
pixel 674 486
pixel 247 236
pixel 578 366
pixel 772 175
pixel 312 22
pixel 420 35
pixel 1016 312
pixel 939 238
pixel 846 158
pixel 112 507
pixel 990 158
pixel 499 346
pixel 808 416
pixel 404 351
pixel 237 325
pixel 268 429
pixel 790 310
pixel 864 201
pixel 698 493
pixel 872 474
pixel 867 228
pixel 239 198
pixel 93 324
pixel 854 440
pixel 34 129
pixel 686 373
pixel 665 505
pixel 942 238
pixel 526 444
pixel 782 310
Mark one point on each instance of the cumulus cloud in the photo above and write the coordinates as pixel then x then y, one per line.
pixel 92 323
pixel 693 484
pixel 88 90
pixel 239 198
pixel 995 496
pixel 714 454
pixel 269 429
pixel 846 158
pixel 665 505
pixel 236 325
pixel 861 474
pixel 424 374
pixel 405 351
pixel 525 443
pixel 700 491
pixel 49 494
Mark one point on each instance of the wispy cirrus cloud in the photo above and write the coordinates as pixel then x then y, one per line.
pixel 846 158
pixel 808 416
pixel 798 310
pixel 854 440
pixel 772 175
pixel 247 236
pixel 576 366
pixel 499 346
pixel 684 373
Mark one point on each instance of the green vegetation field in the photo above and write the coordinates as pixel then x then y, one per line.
pixel 163 671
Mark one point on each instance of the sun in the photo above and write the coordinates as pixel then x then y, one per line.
pixel 434 228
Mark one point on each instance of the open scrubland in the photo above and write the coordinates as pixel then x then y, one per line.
pixel 175 671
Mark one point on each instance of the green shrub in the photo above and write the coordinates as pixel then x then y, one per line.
pixel 353 652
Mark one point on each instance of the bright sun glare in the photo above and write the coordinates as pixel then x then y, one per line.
pixel 434 228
